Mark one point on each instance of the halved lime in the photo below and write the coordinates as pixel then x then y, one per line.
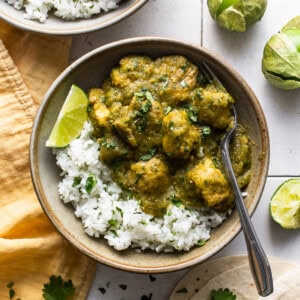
pixel 70 120
pixel 285 204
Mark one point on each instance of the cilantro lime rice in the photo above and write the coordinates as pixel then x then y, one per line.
pixel 66 9
pixel 107 211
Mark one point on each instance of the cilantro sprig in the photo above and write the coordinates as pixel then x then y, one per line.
pixel 222 294
pixel 58 289
pixel 12 292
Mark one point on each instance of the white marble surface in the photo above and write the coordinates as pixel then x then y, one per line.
pixel 189 21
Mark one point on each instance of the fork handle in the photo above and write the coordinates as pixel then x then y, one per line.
pixel 258 261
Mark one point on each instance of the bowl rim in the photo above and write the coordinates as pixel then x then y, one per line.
pixel 38 187
pixel 43 28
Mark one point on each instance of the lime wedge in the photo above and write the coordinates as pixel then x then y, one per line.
pixel 285 204
pixel 70 120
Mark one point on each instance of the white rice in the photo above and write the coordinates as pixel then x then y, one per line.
pixel 65 9
pixel 107 212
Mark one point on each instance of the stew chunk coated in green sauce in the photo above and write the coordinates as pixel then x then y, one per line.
pixel 159 124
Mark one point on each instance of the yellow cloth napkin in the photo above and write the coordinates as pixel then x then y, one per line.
pixel 31 250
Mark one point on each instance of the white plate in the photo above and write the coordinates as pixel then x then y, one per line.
pixel 57 26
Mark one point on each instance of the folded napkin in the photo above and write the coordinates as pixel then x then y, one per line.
pixel 31 250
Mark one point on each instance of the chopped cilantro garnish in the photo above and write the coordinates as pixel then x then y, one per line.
pixel 192 112
pixel 171 125
pixel 109 144
pixel 130 194
pixel 183 84
pixel 186 148
pixel 165 83
pixel 143 94
pixel 123 286
pixel 11 291
pixel 58 289
pixel 89 108
pixel 137 178
pixel 102 290
pixel 176 201
pixel 148 95
pixel 143 222
pixel 203 80
pixel 182 291
pixel 113 222
pixel 184 67
pixel 149 155
pixel 216 162
pixel 199 94
pixel 146 106
pixel 114 232
pixel 222 294
pixel 145 297
pixel 139 95
pixel 167 110
pixel 206 130
pixel 140 116
pixel 90 183
pixel 76 181
pixel 201 243
pixel 120 211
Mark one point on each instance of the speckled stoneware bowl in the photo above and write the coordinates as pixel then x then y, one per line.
pixel 89 71
pixel 57 26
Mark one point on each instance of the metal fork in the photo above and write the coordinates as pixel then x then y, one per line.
pixel 259 264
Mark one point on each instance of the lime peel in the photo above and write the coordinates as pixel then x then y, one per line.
pixel 70 120
pixel 285 204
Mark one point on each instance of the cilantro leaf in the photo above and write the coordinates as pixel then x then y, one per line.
pixel 149 155
pixel 182 291
pixel 11 292
pixel 90 183
pixel 58 289
pixel 192 112
pixel 76 181
pixel 222 294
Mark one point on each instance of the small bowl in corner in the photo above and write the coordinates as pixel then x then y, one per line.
pixel 58 26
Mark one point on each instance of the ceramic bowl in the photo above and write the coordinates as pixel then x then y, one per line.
pixel 57 26
pixel 97 64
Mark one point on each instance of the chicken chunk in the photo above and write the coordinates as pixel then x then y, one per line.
pixel 147 176
pixel 214 107
pixel 211 184
pixel 124 126
pixel 175 77
pixel 112 148
pixel 132 75
pixel 180 137
pixel 96 95
pixel 100 114
pixel 132 68
pixel 143 115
